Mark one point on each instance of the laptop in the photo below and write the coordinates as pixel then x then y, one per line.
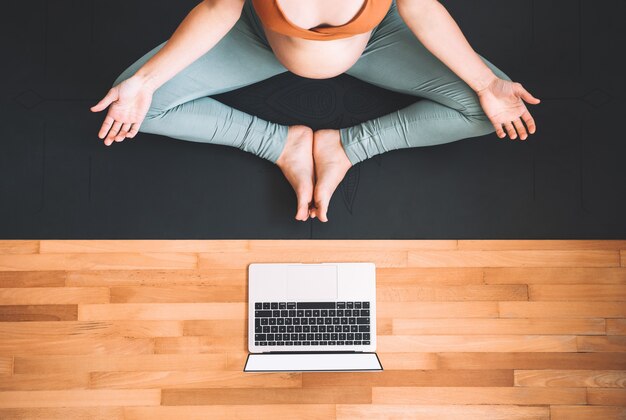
pixel 312 317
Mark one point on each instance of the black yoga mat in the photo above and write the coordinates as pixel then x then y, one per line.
pixel 58 181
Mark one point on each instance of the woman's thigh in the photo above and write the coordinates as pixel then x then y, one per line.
pixel 395 59
pixel 242 57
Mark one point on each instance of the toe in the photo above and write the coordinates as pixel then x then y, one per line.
pixel 322 207
pixel 304 197
pixel 321 200
pixel 303 212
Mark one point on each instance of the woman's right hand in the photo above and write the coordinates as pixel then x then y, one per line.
pixel 129 103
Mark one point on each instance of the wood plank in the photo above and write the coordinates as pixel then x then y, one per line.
pixel 68 345
pixel 551 275
pixel 459 377
pixel 161 311
pixel 437 309
pixel 120 363
pixel 245 396
pixel 236 360
pixel 101 261
pixel 477 343
pixel 535 258
pixel 178 294
pixel 606 396
pixel 351 245
pixel 407 293
pixel 580 292
pixel 505 326
pixel 623 257
pixel 477 395
pixel 241 259
pixel 216 328
pixel 383 326
pixel 200 344
pixel 91 413
pixel 178 330
pixel 53 295
pixel 23 313
pixel 15 246
pixel 616 326
pixel 614 343
pixel 441 412
pixel 564 412
pixel 562 310
pixel 158 278
pixel 571 378
pixel 80 398
pixel 239 412
pixel 6 365
pixel 483 244
pixel 32 278
pixel 141 246
pixel 32 382
pixel 408 361
pixel 424 276
pixel 195 379
pixel 530 361
pixel 91 329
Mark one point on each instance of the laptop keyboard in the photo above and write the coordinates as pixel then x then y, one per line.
pixel 312 323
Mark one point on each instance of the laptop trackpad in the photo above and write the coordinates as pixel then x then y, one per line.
pixel 312 283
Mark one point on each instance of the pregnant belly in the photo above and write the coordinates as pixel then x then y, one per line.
pixel 317 59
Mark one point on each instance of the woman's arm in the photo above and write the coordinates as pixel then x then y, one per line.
pixel 130 100
pixel 202 28
pixel 500 99
pixel 436 29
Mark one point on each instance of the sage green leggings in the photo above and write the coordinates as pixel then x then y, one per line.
pixel 393 59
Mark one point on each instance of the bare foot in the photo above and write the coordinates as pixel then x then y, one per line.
pixel 296 162
pixel 331 165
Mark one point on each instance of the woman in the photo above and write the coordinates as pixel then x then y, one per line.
pixel 409 46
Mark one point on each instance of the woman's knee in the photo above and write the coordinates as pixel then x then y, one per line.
pixel 474 114
pixel 133 68
pixel 474 111
pixel 126 74
pixel 153 122
pixel 480 125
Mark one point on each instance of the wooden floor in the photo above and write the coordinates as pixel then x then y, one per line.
pixel 466 330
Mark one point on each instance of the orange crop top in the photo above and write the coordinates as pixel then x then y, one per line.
pixel 370 15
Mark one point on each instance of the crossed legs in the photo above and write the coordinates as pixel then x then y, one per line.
pixel 393 59
pixel 396 60
pixel 182 109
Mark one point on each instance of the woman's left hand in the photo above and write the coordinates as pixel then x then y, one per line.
pixel 503 103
